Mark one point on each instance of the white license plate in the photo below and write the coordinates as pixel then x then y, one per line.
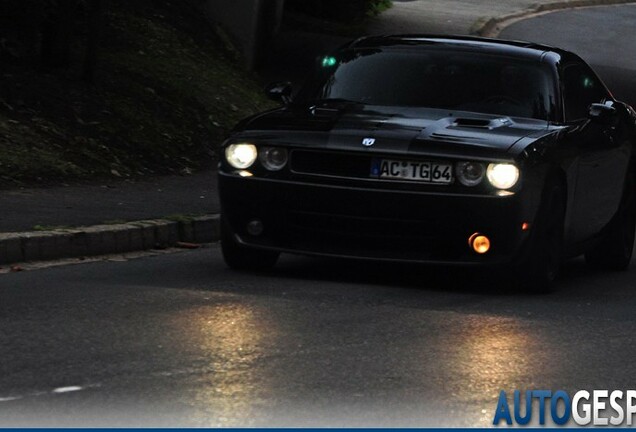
pixel 428 172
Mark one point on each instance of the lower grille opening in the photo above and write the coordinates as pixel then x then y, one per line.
pixel 372 237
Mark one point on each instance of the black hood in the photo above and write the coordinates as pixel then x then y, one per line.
pixel 392 130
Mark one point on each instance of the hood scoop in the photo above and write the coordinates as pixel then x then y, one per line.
pixel 319 111
pixel 467 131
pixel 474 123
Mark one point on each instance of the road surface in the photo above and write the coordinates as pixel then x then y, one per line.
pixel 602 36
pixel 181 340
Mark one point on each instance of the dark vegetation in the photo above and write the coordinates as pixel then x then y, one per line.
pixel 103 88
pixel 339 10
pixel 333 17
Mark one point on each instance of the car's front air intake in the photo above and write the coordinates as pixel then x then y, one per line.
pixel 481 123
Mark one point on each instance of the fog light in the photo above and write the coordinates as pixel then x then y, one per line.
pixel 255 228
pixel 479 243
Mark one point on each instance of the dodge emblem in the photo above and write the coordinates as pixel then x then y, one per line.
pixel 368 142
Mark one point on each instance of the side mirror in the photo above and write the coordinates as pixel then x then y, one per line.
pixel 603 114
pixel 280 92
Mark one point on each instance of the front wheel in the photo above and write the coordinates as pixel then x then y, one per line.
pixel 239 257
pixel 614 252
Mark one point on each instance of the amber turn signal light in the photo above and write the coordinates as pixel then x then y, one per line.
pixel 479 243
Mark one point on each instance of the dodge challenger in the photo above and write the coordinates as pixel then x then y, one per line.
pixel 436 150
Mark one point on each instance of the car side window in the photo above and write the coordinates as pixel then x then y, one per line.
pixel 582 88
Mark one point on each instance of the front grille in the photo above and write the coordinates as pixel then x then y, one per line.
pixel 371 237
pixel 330 164
pixel 346 225
pixel 356 166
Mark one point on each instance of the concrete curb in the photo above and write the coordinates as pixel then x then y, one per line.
pixel 491 27
pixel 106 239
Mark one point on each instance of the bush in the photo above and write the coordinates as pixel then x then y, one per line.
pixel 339 10
pixel 167 94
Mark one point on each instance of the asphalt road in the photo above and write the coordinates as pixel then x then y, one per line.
pixel 105 202
pixel 602 36
pixel 181 340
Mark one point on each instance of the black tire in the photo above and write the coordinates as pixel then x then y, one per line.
pixel 614 251
pixel 540 268
pixel 243 258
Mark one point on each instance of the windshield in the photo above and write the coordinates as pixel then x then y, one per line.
pixel 453 80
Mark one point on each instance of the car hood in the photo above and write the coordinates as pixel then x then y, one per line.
pixel 392 130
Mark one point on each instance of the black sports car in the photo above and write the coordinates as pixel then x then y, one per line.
pixel 441 150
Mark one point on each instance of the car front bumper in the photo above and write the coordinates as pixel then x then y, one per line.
pixel 378 224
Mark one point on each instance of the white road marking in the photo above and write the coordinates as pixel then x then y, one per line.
pixel 9 398
pixel 67 389
pixel 58 390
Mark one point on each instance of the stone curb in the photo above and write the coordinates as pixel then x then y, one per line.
pixel 106 239
pixel 491 27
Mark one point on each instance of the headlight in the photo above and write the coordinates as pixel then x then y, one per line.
pixel 502 175
pixel 241 156
pixel 470 173
pixel 273 158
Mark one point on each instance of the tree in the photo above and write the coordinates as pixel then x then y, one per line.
pixel 57 31
pixel 45 32
pixel 337 10
pixel 95 18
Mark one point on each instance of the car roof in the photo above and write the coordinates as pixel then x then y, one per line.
pixel 520 49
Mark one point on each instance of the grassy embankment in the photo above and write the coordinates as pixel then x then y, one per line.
pixel 168 90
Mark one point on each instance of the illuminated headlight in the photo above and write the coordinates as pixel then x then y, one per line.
pixel 470 173
pixel 502 175
pixel 273 158
pixel 241 156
